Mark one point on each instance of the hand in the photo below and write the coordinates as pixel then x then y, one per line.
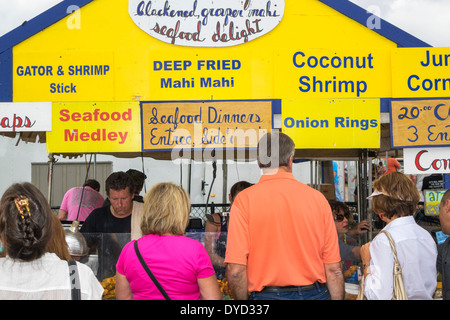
pixel 365 257
pixel 365 253
pixel 360 228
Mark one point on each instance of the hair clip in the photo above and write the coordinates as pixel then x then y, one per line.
pixel 22 204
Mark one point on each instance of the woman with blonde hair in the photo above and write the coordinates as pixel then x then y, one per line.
pixel 164 263
pixel 395 199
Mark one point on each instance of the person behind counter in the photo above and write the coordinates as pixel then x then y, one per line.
pixel 109 228
pixel 122 215
pixel 139 180
pixel 216 230
pixel 395 199
pixel 28 271
pixel 341 214
pixel 443 260
pixel 180 264
pixel 71 208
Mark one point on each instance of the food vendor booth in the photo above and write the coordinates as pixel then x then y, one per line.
pixel 204 80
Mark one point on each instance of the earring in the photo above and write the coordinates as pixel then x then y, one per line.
pixel 381 216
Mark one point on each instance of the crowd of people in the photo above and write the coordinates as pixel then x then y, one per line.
pixel 281 240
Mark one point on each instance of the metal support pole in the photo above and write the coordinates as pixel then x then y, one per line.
pixel 364 189
pixel 224 181
pixel 51 161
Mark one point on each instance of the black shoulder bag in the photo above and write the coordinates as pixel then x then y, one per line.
pixel 158 285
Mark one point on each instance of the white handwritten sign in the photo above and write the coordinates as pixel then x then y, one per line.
pixel 206 23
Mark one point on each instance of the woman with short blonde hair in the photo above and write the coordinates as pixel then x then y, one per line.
pixel 180 265
pixel 166 210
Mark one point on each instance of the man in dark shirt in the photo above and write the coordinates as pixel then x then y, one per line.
pixel 109 228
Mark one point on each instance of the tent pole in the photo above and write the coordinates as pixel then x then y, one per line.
pixel 51 161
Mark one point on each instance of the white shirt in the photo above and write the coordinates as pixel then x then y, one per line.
pixel 417 253
pixel 45 278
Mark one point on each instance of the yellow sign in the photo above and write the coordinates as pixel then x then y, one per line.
pixel 104 61
pixel 418 123
pixel 203 76
pixel 420 72
pixel 83 127
pixel 337 73
pixel 432 200
pixel 337 123
pixel 65 76
pixel 197 125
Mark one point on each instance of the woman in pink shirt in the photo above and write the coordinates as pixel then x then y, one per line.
pixel 181 265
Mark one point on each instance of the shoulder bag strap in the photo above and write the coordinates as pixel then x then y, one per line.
pixel 394 250
pixel 74 280
pixel 399 286
pixel 158 285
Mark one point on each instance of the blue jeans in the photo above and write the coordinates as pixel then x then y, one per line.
pixel 319 293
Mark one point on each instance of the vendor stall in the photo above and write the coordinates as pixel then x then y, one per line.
pixel 203 81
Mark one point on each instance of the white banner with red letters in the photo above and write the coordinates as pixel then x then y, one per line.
pixel 25 116
pixel 426 160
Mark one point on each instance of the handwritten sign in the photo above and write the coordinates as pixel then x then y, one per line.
pixel 432 201
pixel 426 160
pixel 206 23
pixel 197 125
pixel 418 123
pixel 93 126
pixel 25 116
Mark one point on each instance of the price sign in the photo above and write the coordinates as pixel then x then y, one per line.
pixel 419 123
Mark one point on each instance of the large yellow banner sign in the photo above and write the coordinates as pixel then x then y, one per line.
pixel 83 127
pixel 197 125
pixel 420 72
pixel 336 123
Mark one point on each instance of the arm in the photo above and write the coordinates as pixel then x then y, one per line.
pixel 62 215
pixel 237 280
pixel 365 257
pixel 379 273
pixel 357 252
pixel 123 290
pixel 209 288
pixel 211 229
pixel 335 280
